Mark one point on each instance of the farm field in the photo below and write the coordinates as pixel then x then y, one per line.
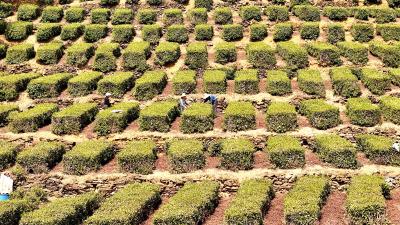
pixel 303 131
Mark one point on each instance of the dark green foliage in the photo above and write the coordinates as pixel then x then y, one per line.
pixel 6 9
pixel 147 16
pixel 100 15
pixel 309 30
pixel 285 152
pixel 258 31
pixel 362 112
pixel 95 32
pixel 378 149
pixel 151 33
pixel 49 53
pixel 135 56
pixel 109 2
pixel 395 75
pixel 73 118
pixel 72 31
pixel 281 117
pixel 138 157
pixel 239 116
pixel 28 12
pixel 362 32
pixel 389 32
pixel 122 16
pixel 260 55
pixel 150 85
pixel 19 30
pixel 336 150
pixel 75 14
pixel 307 12
pixel 283 31
pixel 11 85
pixel 296 57
pixel 167 52
pixel 154 2
pixel 177 33
pixel 52 14
pixel 250 12
pixel 310 81
pixel 47 31
pixel 336 13
pixel 158 116
pixel 203 4
pixel 8 152
pixel 117 84
pixel 197 55
pixel 198 16
pixel 232 32
pixel 105 57
pixel 376 81
pixel 372 2
pixel 172 16
pixel 3 50
pixel 236 154
pixel 3 26
pixel 327 54
pixel 388 53
pixel 184 81
pixel 214 81
pixel 246 81
pixel 48 86
pixel 320 114
pixel 19 53
pixel 79 54
pixel 355 52
pixel 394 3
pixel 385 15
pixel 277 13
pixel 186 155
pixel 203 32
pixel 336 33
pixel 83 84
pixel 390 109
pixel 361 13
pixel 278 83
pixel 344 82
pixel 5 110
pixel 223 15
pixel 225 52
pixel 122 33
pixel 197 118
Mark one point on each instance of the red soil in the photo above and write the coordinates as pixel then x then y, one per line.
pixel 260 160
pixel 149 220
pixel 218 121
pixel 230 89
pixel 260 120
pixel 110 167
pixel 312 159
pixel 45 128
pixel 168 89
pixel 58 168
pixel 162 162
pixel 218 216
pixel 199 86
pixel 175 126
pixel 212 162
pixel 393 207
pixel 302 121
pixel 88 131
pixel 134 126
pixel 345 120
pixel 241 55
pixel 333 213
pixel 275 213
pixel 262 85
pixel 295 87
pixel 362 158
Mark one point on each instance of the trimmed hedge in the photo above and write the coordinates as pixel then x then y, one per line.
pixel 336 13
pixel 172 16
pixel 390 107
pixel 336 32
pixel 11 85
pixel 395 75
pixel 135 201
pixel 203 4
pixel 283 31
pixel 278 83
pixel 95 32
pixel 190 205
pixel 109 2
pixel 186 155
pixel 52 14
pixel 8 153
pixel 237 154
pixel 158 116
pixel 385 15
pixel 41 157
pixel 69 210
pixel 151 33
pixel 246 81
pixel 336 150
pixel 250 12
pixel 72 31
pixel 117 84
pixel 296 57
pixel 376 81
pixel 239 116
pixel 232 32
pixel 281 117
pixel 108 121
pixel 47 31
pixel 250 203
pixel 135 56
pixel 285 152
pixel 365 202
pixel 87 156
pixel 307 12
pixel 278 13
pixel 378 148
pixel 260 55
pixel 362 112
pixel 5 110
pixel 197 118
pixel 198 16
pixel 362 32
pixel 150 85
pixel 74 118
pixel 3 48
pixel 167 52
pixel 6 9
pixel 223 15
pixel 196 55
pixel 48 86
pixel 75 14
pixel 327 54
pixel 138 157
pixel 214 81
pixel 19 53
pixel 177 33
pixel 203 32
pixel 147 16
pixel 32 119
pixel 389 32
pixel 309 30
pixel 355 52
pixel 83 84
pixel 303 203
pixel 28 12
pixel 122 16
pixel 79 53
pixel 321 114
pixel 49 53
pixel 105 57
pixel 100 15
pixel 225 52
pixel 388 53
pixel 122 33
pixel 184 81
pixel 344 82
pixel 310 82
pixel 258 31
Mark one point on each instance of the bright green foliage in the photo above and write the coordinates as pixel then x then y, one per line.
pixel 41 157
pixel 365 202
pixel 326 54
pixel 336 33
pixel 283 31
pixel 388 53
pixel 203 32
pixel 260 55
pixel 378 149
pixel 389 32
pixel 285 152
pixel 198 16
pixel 122 33
pixel 28 12
pixel 203 4
pixel 362 32
pixel 32 119
pixel 390 107
pixel 109 2
pixel 122 16
pixel 11 85
pixel 74 118
pixel 214 81
pixel 47 31
pixel 151 33
pixel 250 203
pixel 336 150
pixel 309 30
pixel 186 155
pixel 3 50
pixel 105 57
pixel 87 156
pixel 237 154
pixel 246 81
pixel 336 13
pixel 296 57
pixel 177 33
pixel 49 53
pixel 117 84
pixel 355 52
pixel 307 12
pixel 147 16
pixel 158 116
pixel 108 121
pixel 376 81
pixel 303 203
pixel 239 116
pixel 344 82
pixel 135 201
pixel 395 75
pixel 18 30
pixel 150 85
pixel 135 56
pixel 138 157
pixel 192 203
pixel 48 86
pixel 5 110
pixel 232 32
pixel 95 32
pixel 362 112
pixel 258 31
pixel 52 14
pixel 197 55
pixel 72 31
pixel 184 81
pixel 250 12
pixel 278 82
pixel 8 152
pixel 6 9
pixel 167 52
pixel 310 81
pixel 394 3
pixel 79 53
pixel 320 114
pixel 281 117
pixel 83 84
pixel 277 13
pixel 197 118
pixel 75 14
pixel 385 15
pixel 100 15
pixel 361 12
pixel 225 52
pixel 172 16
pixel 223 15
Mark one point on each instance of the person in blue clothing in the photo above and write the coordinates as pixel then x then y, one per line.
pixel 183 102
pixel 212 99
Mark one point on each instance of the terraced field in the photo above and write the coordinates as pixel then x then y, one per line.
pixel 303 130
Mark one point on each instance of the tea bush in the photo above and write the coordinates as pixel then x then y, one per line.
pixel 158 116
pixel 327 54
pixel 177 33
pixel 122 33
pixel 376 81
pixel 52 14
pixel 95 32
pixel 239 116
pixel 203 32
pixel 150 85
pixel 197 55
pixel 138 157
pixel 246 81
pixel 285 152
pixel 72 31
pixel 18 30
pixel 78 54
pixel 151 33
pixel 237 154
pixel 49 53
pixel 390 109
pixel 310 82
pixel 223 15
pixel 74 118
pixel 336 13
pixel 260 55
pixel 295 56
pixel 48 86
pixel 336 33
pixel 197 118
pixel 184 81
pixel 355 52
pixel 258 31
pixel 5 110
pixel 283 31
pixel 117 84
pixel 105 57
pixel 122 16
pixel 83 84
pixel 362 32
pixel 321 114
pixel 167 52
pixel 100 15
pixel 344 82
pixel 281 117
pixel 75 14
pixel 362 112
pixel 378 149
pixel 185 155
pixel 147 16
pixel 278 83
pixel 135 55
pixel 214 81
pixel 232 32
pixel 277 13
pixel 225 52
pixel 307 12
pixel 28 12
pixel 198 16
pixel 172 16
pixel 11 85
pixel 8 153
pixel 250 12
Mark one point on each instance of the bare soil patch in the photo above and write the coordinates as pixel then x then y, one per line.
pixel 261 160
pixel 168 89
pixel 162 162
pixel 262 85
pixel 149 220
pixel 88 131
pixel 275 213
pixel 110 167
pixel 393 207
pixel 260 120
pixel 312 159
pixel 362 159
pixel 175 126
pixel 333 213
pixel 218 216
pixel 218 121
pixel 212 162
pixel 302 121
pixel 230 89
pixel 134 126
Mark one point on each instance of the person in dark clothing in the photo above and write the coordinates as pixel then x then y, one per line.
pixel 212 99
pixel 106 100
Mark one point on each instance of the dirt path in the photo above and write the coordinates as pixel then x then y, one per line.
pixel 212 162
pixel 149 220
pixel 260 120
pixel 110 167
pixel 333 213
pixel 218 121
pixel 230 89
pixel 167 90
pixel 218 216
pixel 275 213
pixel 362 159
pixel 162 162
pixel 393 207
pixel 175 126
pixel 312 159
pixel 262 85
pixel 261 160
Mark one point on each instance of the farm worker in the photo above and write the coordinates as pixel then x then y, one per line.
pixel 182 102
pixel 212 99
pixel 396 147
pixel 6 186
pixel 106 101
